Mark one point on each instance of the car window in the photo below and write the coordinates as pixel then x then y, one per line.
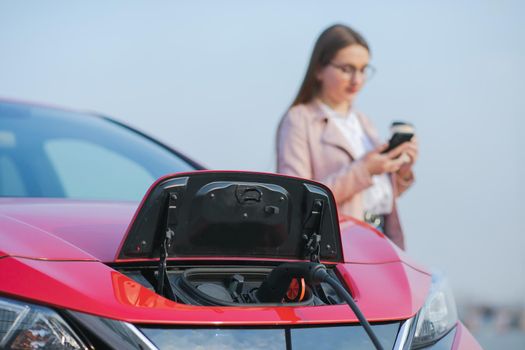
pixel 87 170
pixel 10 183
pixel 47 152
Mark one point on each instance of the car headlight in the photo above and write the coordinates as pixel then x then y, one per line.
pixel 438 316
pixel 28 326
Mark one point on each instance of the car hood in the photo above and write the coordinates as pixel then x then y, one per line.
pixel 59 247
pixel 63 229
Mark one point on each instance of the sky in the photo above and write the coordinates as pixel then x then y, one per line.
pixel 213 78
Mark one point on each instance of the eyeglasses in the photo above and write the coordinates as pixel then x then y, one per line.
pixel 367 72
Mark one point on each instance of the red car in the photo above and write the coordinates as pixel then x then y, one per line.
pixel 207 260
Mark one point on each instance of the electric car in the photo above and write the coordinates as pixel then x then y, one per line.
pixel 110 239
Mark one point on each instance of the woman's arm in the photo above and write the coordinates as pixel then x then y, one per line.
pixel 293 152
pixel 348 181
pixel 294 158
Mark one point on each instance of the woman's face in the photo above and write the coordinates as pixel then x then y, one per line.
pixel 343 77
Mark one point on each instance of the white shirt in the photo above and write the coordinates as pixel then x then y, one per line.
pixel 378 199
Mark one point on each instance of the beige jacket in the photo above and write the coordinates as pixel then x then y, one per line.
pixel 310 145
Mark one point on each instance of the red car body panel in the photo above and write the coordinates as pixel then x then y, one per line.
pixel 61 244
pixel 464 340
pixel 365 245
pixel 69 284
pixel 82 224
pixel 85 224
pixel 35 243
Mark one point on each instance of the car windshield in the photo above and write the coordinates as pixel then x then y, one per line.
pixel 47 152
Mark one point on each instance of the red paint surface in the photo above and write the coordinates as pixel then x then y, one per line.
pixel 385 292
pixel 50 253
pixel 21 239
pixel 365 245
pixel 45 225
pixel 463 340
pixel 386 287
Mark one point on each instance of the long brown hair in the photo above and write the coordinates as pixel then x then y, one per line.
pixel 330 41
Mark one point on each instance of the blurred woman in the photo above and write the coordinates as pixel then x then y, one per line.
pixel 323 138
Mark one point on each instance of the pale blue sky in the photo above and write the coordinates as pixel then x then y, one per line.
pixel 212 78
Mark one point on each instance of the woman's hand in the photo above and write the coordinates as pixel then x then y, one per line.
pixel 410 155
pixel 379 163
pixel 412 150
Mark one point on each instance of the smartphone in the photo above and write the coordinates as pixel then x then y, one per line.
pixel 401 132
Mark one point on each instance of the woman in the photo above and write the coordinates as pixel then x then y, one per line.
pixel 323 138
